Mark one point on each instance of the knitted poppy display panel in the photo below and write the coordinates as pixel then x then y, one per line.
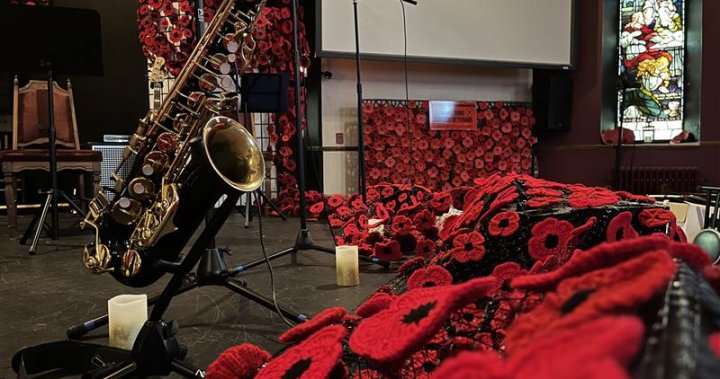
pixel 470 230
pixel 635 308
pixel 515 224
pixel 403 148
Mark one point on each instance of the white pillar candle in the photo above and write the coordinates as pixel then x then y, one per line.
pixel 126 316
pixel 347 269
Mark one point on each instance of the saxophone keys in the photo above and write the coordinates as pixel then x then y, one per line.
pixel 208 82
pixel 126 211
pixel 165 142
pixel 220 62
pixel 240 26
pixel 131 263
pixel 97 259
pixel 227 83
pixel 154 163
pixel 231 43
pixel 142 189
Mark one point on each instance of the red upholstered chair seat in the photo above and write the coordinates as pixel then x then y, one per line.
pixel 43 155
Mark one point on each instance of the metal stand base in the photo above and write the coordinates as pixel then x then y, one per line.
pixel 303 242
pixel 40 220
pixel 212 271
pixel 262 199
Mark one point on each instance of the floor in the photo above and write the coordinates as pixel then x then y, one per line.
pixel 42 295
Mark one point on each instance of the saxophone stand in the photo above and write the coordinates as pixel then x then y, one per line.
pixel 303 240
pixel 212 270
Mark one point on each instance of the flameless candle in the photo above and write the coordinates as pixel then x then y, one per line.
pixel 126 316
pixel 346 266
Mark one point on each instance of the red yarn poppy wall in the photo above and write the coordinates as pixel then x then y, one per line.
pixel 401 147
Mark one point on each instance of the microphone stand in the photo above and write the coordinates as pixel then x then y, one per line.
pixel 303 239
pixel 361 136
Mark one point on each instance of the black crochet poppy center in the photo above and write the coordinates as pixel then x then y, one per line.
pixel 551 241
pixel 297 369
pixel 416 315
pixel 576 299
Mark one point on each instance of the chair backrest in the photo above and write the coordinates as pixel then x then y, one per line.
pixel 712 207
pixel 30 115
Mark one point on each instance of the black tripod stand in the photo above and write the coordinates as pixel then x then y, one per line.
pixel 211 271
pixel 303 240
pixel 51 196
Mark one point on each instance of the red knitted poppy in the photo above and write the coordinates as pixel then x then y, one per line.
pixel 441 202
pixel 543 201
pixel 504 198
pixel 412 320
pixel 327 317
pixel 424 220
pixel 317 208
pixel 388 251
pixel 544 192
pixel 504 224
pixel 549 237
pixel 621 228
pixel 592 198
pixel 313 358
pixel 655 217
pixel 468 247
pixel 595 350
pixel 425 248
pixel 335 201
pixel 507 271
pixel 376 303
pixel 601 256
pixel 603 291
pixel 402 225
pixel 431 276
pixel 238 362
pixel 532 182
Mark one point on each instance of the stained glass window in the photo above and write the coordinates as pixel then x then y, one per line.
pixel 651 68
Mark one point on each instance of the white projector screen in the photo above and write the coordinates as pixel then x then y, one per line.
pixel 524 33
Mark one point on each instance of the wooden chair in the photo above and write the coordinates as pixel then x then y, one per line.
pixel 30 141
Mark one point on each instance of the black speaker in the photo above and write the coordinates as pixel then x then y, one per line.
pixel 552 100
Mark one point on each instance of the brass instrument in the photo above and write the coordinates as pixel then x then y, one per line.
pixel 186 155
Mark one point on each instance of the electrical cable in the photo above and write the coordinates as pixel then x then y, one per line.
pixel 269 265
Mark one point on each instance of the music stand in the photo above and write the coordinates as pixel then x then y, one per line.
pixel 51 41
pixel 263 93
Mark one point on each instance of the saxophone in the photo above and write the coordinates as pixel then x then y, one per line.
pixel 183 157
